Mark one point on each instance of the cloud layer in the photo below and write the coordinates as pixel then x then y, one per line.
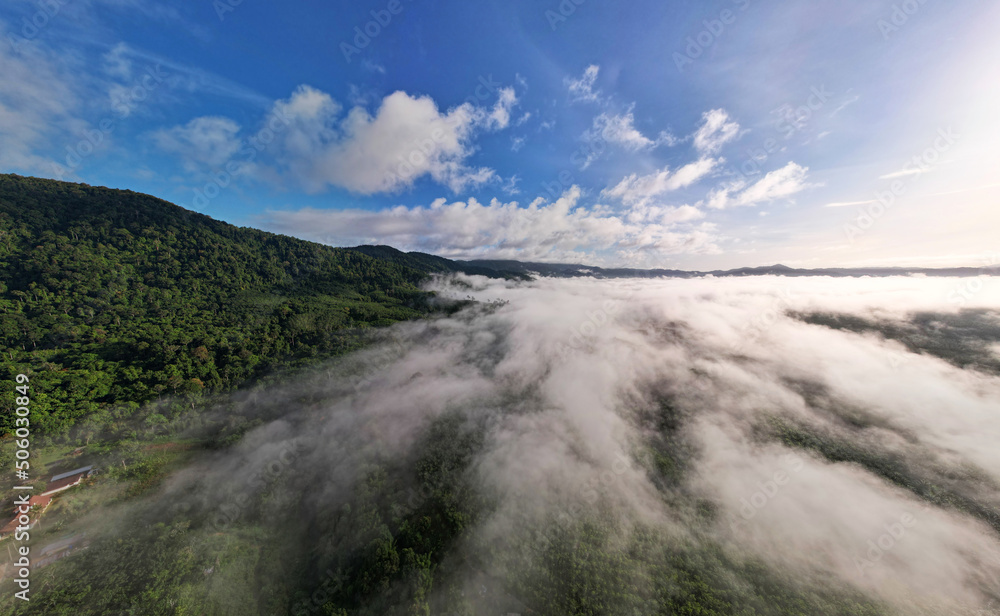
pixel 560 229
pixel 580 389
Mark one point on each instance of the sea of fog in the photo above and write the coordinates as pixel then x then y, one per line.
pixel 840 432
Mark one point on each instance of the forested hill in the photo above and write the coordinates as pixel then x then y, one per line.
pixel 433 263
pixel 111 297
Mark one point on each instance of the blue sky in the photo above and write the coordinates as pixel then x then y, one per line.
pixel 652 134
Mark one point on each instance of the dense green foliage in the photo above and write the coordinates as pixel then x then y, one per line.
pixel 962 339
pixel 113 297
pixel 432 263
pixel 405 542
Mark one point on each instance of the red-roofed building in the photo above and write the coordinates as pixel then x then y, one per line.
pixel 40 502
pixel 66 481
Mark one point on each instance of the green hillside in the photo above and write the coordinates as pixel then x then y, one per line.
pixel 433 263
pixel 111 299
pixel 115 297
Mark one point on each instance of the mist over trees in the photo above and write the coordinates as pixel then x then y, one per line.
pixel 113 298
pixel 287 428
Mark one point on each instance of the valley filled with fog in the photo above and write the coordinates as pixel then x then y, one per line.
pixel 746 445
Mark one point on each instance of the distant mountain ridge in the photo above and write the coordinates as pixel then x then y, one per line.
pixel 569 270
pixel 524 270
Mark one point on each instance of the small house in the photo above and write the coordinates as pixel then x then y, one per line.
pixel 65 481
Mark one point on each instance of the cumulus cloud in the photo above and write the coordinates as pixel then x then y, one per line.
pixel 717 129
pixel 313 140
pixel 562 229
pixel 407 138
pixel 778 184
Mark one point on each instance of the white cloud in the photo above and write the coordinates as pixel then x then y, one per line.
pixel 777 184
pixel 356 95
pixel 619 129
pixel 39 102
pixel 204 144
pixel 582 89
pixel 662 214
pixel 55 93
pixel 849 203
pixel 499 117
pixel 183 78
pixel 715 131
pixel 640 190
pixel 559 230
pixel 847 102
pixel 666 138
pixel 510 186
pixel 902 173
pixel 407 138
pixel 374 67
pixel 516 144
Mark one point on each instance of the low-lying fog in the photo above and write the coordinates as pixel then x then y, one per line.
pixel 811 424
